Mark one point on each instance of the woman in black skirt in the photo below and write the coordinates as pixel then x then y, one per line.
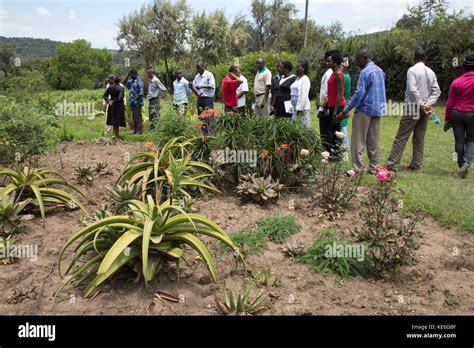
pixel 282 91
pixel 113 96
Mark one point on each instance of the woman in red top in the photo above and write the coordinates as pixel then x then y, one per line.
pixel 460 115
pixel 335 104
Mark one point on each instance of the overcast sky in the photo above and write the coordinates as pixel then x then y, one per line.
pixel 96 21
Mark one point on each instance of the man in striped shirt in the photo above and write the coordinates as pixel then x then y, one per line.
pixel 369 102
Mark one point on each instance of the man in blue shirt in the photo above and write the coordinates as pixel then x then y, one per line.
pixel 369 102
pixel 136 88
pixel 181 92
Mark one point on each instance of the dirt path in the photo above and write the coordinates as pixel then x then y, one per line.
pixel 441 282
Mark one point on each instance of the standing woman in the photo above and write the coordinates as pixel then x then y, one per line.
pixel 460 115
pixel 300 93
pixel 336 103
pixel 116 107
pixel 347 96
pixel 282 91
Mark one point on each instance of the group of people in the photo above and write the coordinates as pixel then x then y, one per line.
pixel 286 95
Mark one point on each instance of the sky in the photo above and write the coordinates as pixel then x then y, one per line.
pixel 96 21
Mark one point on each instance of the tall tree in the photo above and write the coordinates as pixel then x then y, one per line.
pixel 7 52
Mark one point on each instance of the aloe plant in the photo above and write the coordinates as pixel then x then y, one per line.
pixel 259 189
pixel 168 172
pixel 146 238
pixel 10 212
pixel 240 301
pixel 36 183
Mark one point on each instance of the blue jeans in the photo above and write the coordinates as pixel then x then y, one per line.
pixel 463 128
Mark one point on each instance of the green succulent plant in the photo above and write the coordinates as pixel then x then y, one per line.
pixel 258 189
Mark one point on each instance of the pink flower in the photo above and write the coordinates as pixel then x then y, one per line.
pixel 325 155
pixel 351 172
pixel 340 135
pixel 324 162
pixel 304 152
pixel 383 176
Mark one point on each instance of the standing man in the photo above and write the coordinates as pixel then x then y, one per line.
pixel 242 90
pixel 262 84
pixel 204 86
pixel 181 92
pixel 155 90
pixel 369 102
pixel 230 83
pixel 135 86
pixel 325 120
pixel 421 94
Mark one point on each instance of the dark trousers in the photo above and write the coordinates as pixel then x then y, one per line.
pixel 154 111
pixel 241 109
pixel 137 120
pixel 327 127
pixel 205 102
pixel 230 108
pixel 463 128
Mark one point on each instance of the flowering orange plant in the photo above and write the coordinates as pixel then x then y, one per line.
pixel 264 153
pixel 208 113
pixel 281 147
pixel 149 145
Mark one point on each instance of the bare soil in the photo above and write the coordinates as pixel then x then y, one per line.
pixel 441 281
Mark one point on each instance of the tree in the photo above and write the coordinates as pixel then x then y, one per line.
pixel 156 30
pixel 422 14
pixel 77 65
pixel 7 52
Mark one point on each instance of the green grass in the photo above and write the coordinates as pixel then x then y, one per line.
pixel 278 227
pixel 249 242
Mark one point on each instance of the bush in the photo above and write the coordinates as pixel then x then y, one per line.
pixel 25 129
pixel 173 125
pixel 320 257
pixel 392 240
pixel 248 242
pixel 278 227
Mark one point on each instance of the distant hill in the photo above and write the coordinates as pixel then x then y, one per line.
pixel 29 49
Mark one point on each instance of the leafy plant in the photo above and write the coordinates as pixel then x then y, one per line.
pixel 7 244
pixel 265 277
pixel 168 173
pixel 66 134
pixel 145 239
pixel 10 212
pixel 391 240
pixel 278 227
pixel 84 174
pixel 173 125
pixel 335 188
pixel 35 183
pixel 121 193
pixel 260 190
pixel 321 257
pixel 240 301
pixel 248 242
pixel 102 168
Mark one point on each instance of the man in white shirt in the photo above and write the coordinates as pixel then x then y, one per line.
pixel 323 90
pixel 204 86
pixel 421 94
pixel 155 90
pixel 181 92
pixel 242 90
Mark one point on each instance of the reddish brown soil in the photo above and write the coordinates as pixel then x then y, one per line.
pixel 439 283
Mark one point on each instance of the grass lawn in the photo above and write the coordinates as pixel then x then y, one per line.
pixel 436 189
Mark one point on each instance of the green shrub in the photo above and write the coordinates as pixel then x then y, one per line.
pixel 278 227
pixel 172 125
pixel 320 256
pixel 248 242
pixel 24 129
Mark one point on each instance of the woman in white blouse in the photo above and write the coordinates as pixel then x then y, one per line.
pixel 300 93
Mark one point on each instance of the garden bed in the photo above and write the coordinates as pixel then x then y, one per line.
pixel 441 282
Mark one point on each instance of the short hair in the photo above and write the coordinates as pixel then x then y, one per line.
pixel 117 79
pixel 330 53
pixel 336 57
pixel 304 64
pixel 233 69
pixel 133 71
pixel 201 64
pixel 287 65
pixel 178 69
pixel 469 62
pixel 364 53
pixel 262 59
pixel 420 54
pixel 150 68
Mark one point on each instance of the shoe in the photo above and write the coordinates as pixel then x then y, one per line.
pixel 464 170
pixel 410 169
